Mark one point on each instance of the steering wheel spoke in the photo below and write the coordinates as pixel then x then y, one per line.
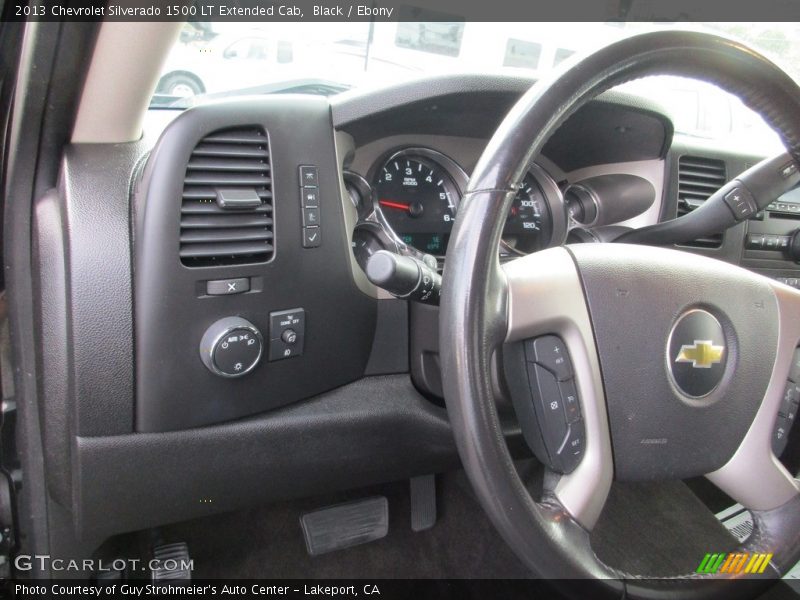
pixel 545 298
pixel 754 476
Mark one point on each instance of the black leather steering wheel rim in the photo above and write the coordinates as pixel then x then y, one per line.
pixel 474 300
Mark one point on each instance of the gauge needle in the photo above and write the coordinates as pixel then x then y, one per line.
pixel 397 205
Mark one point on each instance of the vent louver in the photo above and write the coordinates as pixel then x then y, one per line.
pixel 698 178
pixel 232 160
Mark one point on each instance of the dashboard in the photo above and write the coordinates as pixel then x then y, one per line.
pixel 248 223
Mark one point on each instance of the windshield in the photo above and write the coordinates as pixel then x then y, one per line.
pixel 216 60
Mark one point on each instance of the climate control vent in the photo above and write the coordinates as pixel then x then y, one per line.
pixel 698 178
pixel 226 207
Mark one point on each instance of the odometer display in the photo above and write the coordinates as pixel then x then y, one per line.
pixel 419 200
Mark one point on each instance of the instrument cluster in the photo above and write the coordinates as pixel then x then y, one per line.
pixel 410 199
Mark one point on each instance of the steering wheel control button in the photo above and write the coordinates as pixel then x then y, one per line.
pixel 309 176
pixel 549 409
pixel 569 399
pixel 286 333
pixel 226 287
pixel 790 401
pixel 550 352
pixel 780 435
pixel 312 237
pixel 696 353
pixel 231 347
pixel 572 449
pixel 741 202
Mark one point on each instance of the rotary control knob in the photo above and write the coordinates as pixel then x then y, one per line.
pixel 231 347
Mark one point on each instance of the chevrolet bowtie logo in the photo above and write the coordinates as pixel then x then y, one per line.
pixel 702 354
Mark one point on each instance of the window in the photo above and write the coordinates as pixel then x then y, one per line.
pixel 248 48
pixel 562 54
pixel 437 38
pixel 520 53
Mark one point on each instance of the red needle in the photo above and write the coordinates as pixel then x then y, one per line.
pixel 398 205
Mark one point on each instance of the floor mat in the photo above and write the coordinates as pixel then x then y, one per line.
pixel 268 542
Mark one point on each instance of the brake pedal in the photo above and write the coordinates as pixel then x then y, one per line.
pixel 345 525
pixel 172 562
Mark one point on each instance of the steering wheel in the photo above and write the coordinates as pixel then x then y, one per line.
pixel 679 362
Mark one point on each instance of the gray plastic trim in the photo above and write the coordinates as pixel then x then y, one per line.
pixel 545 297
pixel 754 476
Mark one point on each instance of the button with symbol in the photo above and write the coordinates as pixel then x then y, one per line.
pixel 231 347
pixel 226 287
pixel 550 352
pixel 310 217
pixel 309 197
pixel 309 176
pixel 286 333
pixel 312 237
pixel 741 203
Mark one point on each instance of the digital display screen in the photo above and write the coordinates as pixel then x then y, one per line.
pixel 430 243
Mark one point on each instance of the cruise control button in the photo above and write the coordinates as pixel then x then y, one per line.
pixel 569 398
pixel 550 352
pixel 571 451
pixel 780 435
pixel 790 401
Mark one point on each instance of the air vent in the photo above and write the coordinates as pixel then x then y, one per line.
pixel 235 162
pixel 698 178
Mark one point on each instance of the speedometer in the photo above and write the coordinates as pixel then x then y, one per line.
pixel 528 223
pixel 418 199
pixel 537 218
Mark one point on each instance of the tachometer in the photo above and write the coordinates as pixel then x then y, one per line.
pixel 418 199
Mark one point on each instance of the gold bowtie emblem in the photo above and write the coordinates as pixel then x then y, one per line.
pixel 702 354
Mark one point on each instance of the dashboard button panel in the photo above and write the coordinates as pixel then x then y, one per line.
pixel 309 205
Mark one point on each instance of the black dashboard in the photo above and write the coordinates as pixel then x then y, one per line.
pixel 250 359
